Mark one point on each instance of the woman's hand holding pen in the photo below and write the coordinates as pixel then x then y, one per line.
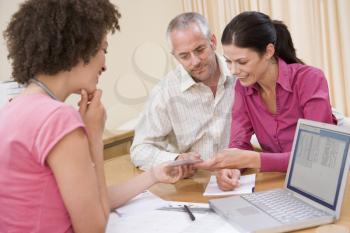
pixel 228 179
pixel 227 164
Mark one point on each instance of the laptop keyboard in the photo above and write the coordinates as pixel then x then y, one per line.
pixel 282 206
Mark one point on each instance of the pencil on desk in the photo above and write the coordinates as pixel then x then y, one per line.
pixel 189 213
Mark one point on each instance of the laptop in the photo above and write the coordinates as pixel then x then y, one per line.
pixel 314 186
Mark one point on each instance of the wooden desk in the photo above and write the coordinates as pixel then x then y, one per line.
pixel 120 169
pixel 116 143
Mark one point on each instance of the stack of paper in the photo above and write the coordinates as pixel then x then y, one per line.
pixel 147 213
pixel 142 203
pixel 9 90
pixel 246 185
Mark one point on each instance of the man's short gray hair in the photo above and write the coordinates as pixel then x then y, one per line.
pixel 185 20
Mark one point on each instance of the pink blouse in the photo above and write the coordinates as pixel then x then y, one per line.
pixel 301 92
pixel 30 200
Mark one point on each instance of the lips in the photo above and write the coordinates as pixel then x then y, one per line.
pixel 241 77
pixel 199 70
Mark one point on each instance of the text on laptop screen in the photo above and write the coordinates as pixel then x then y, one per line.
pixel 318 164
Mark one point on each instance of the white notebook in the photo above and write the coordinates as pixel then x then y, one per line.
pixel 246 185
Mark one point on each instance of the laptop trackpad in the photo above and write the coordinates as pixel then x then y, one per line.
pixel 241 213
pixel 249 210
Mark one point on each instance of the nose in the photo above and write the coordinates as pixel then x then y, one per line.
pixel 195 59
pixel 234 68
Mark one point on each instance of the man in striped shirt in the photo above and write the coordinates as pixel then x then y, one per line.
pixel 188 114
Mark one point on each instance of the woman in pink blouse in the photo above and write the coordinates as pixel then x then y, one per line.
pixel 274 89
pixel 52 176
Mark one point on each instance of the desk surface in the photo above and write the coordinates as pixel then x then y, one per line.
pixel 115 136
pixel 120 169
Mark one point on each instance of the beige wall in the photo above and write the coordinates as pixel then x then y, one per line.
pixel 7 8
pixel 137 56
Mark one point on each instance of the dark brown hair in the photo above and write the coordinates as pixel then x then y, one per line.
pixel 255 30
pixel 49 36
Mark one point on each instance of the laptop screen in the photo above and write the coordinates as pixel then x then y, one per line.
pixel 318 164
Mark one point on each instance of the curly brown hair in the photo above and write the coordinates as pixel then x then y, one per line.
pixel 49 36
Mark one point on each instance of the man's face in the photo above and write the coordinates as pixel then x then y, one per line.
pixel 195 52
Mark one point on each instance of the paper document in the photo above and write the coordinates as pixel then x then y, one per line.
pixel 9 90
pixel 158 221
pixel 246 185
pixel 179 206
pixel 148 213
pixel 142 203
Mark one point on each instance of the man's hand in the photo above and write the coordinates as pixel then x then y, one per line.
pixel 188 170
pixel 228 179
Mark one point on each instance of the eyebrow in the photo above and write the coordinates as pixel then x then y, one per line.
pixel 198 47
pixel 183 53
pixel 226 58
pixel 236 60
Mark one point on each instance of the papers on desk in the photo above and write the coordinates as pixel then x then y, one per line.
pixel 142 203
pixel 147 213
pixel 201 208
pixel 246 185
pixel 9 90
pixel 147 201
pixel 159 221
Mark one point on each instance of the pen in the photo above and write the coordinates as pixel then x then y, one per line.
pixel 189 213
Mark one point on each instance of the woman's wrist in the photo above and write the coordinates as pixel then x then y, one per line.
pixel 96 149
pixel 153 176
pixel 255 161
pixel 94 137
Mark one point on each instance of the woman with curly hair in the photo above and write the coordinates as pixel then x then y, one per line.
pixel 51 161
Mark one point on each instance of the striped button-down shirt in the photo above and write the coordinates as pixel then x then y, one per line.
pixel 184 116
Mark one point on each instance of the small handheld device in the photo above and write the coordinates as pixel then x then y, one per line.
pixel 184 162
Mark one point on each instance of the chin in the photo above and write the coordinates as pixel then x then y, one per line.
pixel 91 90
pixel 245 83
pixel 202 77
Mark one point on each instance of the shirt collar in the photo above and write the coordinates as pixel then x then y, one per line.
pixel 187 81
pixel 283 78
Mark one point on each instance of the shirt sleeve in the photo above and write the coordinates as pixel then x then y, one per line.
pixel 61 122
pixel 151 133
pixel 314 101
pixel 314 97
pixel 274 162
pixel 241 126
